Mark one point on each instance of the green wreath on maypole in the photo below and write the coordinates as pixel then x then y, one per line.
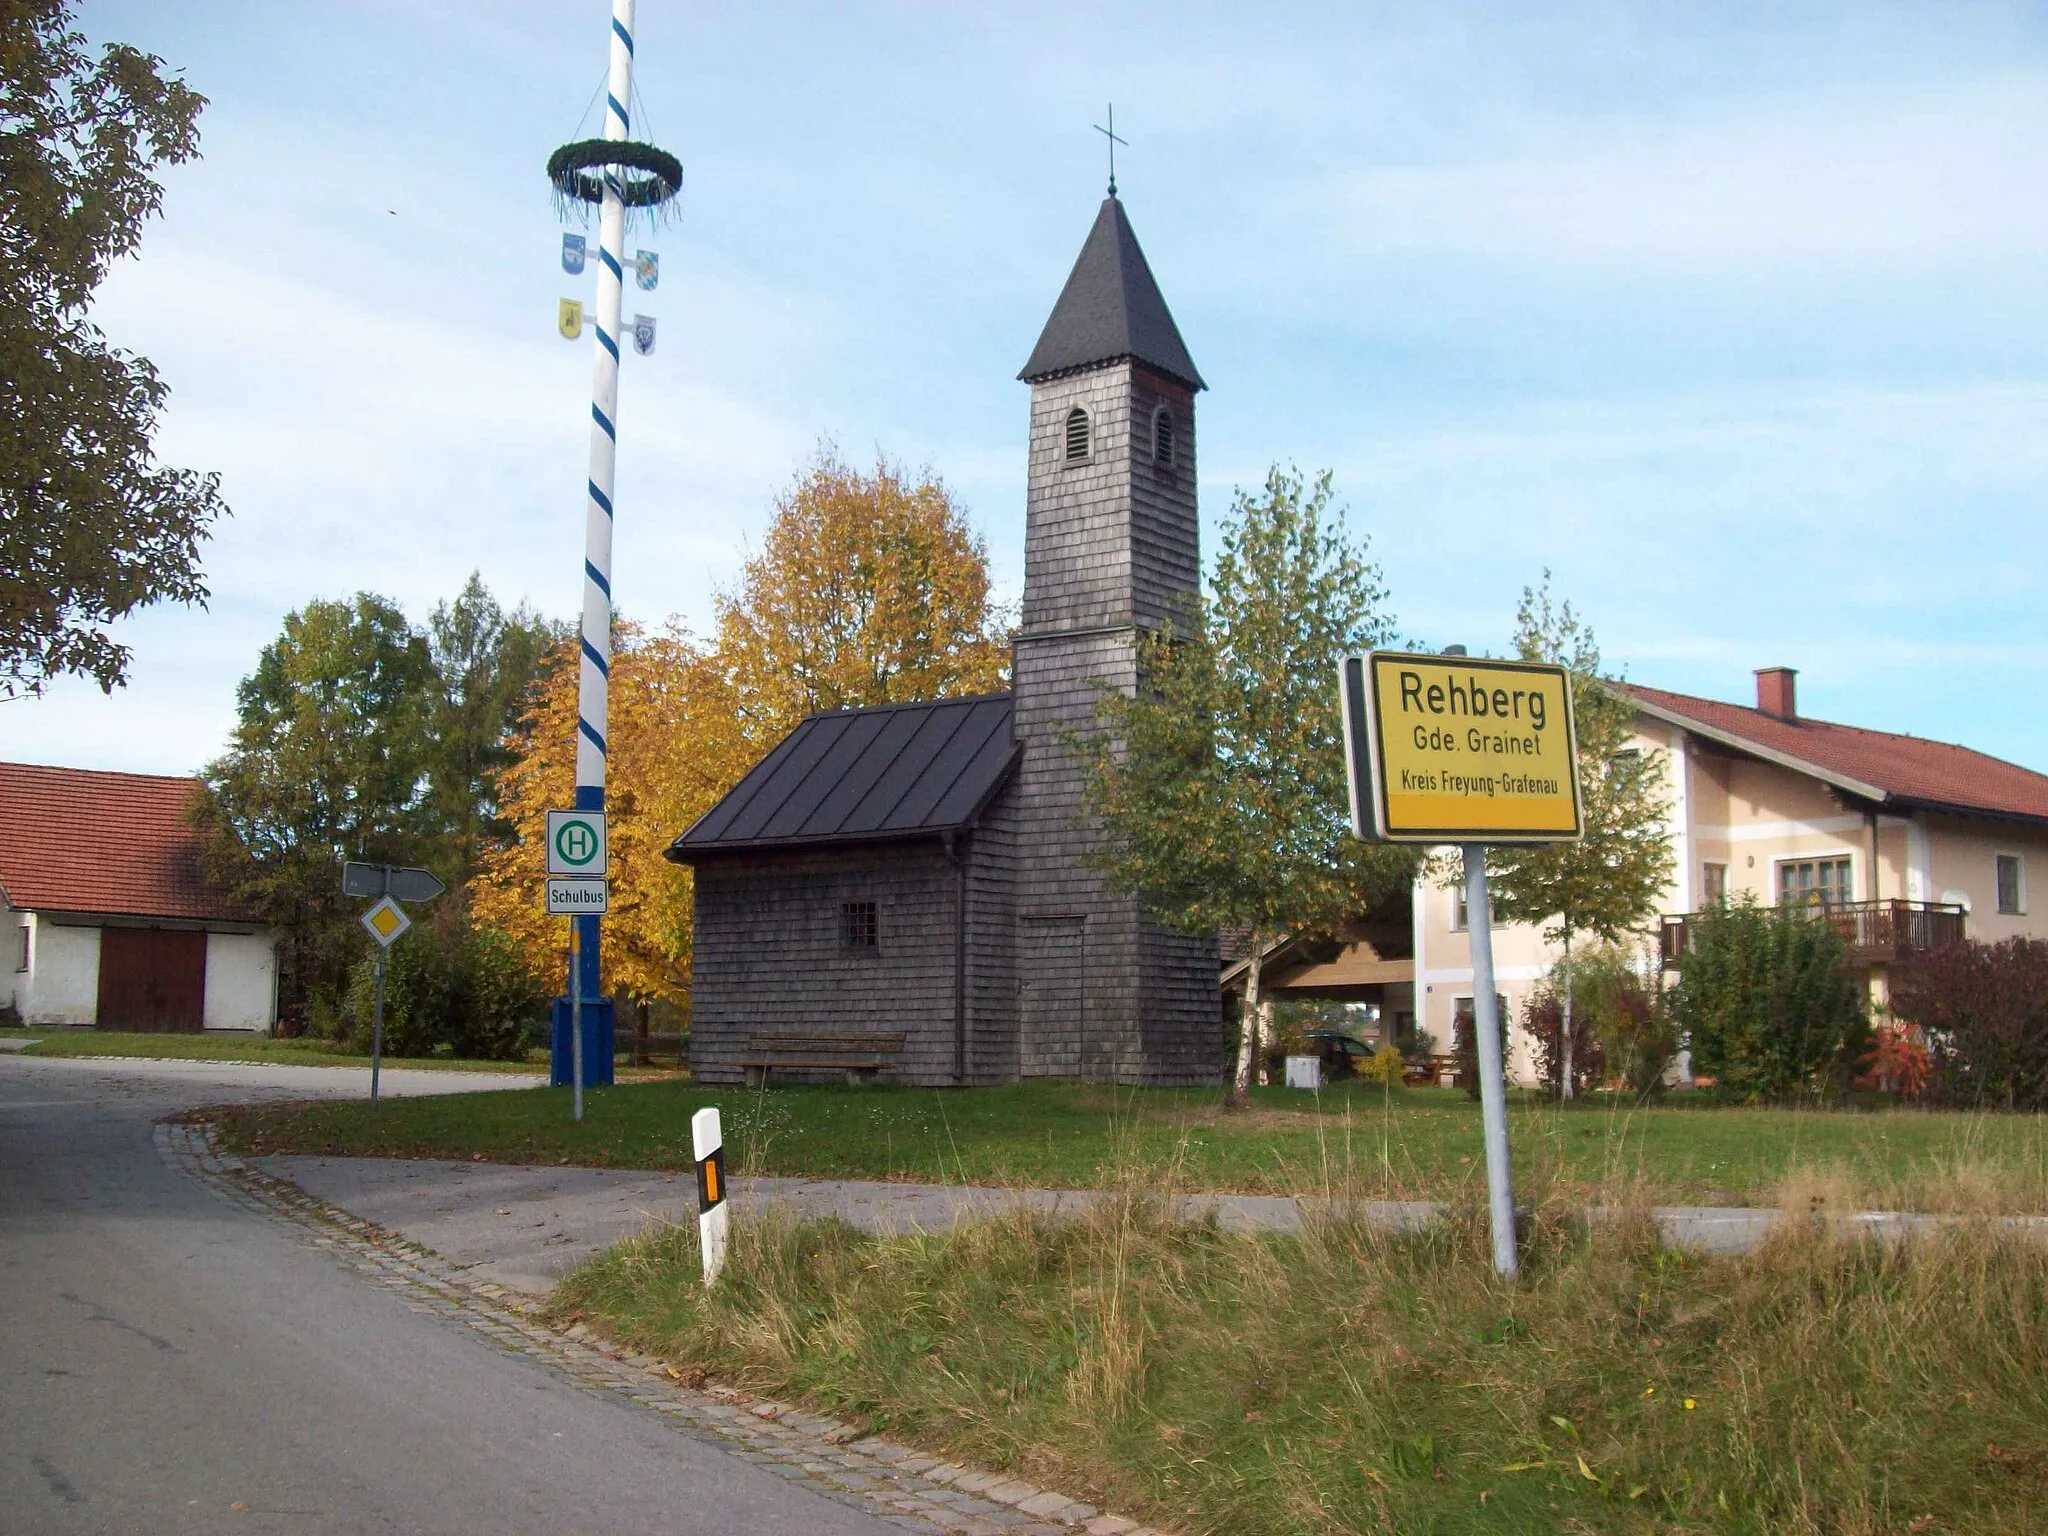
pixel 649 178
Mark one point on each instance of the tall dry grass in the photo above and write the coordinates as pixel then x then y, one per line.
pixel 1351 1378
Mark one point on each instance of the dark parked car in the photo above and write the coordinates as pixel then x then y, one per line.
pixel 1341 1051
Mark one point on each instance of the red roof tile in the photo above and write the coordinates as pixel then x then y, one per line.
pixel 1907 769
pixel 72 840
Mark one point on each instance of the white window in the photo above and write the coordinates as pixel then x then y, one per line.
pixel 2012 886
pixel 21 955
pixel 1806 882
pixel 1077 435
pixel 1713 885
pixel 1461 919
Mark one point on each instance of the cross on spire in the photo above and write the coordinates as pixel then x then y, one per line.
pixel 1110 134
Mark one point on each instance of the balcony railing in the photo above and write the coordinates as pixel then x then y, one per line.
pixel 1875 932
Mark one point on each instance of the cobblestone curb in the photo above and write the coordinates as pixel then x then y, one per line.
pixel 896 1483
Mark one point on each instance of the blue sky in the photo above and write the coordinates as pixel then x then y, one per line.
pixel 1736 317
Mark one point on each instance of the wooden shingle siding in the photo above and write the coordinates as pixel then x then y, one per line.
pixel 1110 546
pixel 769 954
pixel 1061 976
pixel 992 944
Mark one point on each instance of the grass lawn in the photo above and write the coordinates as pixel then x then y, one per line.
pixel 218 1047
pixel 1347 1380
pixel 1414 1142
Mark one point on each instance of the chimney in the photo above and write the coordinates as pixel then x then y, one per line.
pixel 1774 692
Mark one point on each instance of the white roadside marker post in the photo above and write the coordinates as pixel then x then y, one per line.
pixel 707 1144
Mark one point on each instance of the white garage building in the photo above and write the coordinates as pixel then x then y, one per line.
pixel 105 918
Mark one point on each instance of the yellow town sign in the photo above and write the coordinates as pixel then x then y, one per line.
pixel 1456 749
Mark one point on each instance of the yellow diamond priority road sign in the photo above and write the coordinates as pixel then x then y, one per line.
pixel 1458 749
pixel 386 921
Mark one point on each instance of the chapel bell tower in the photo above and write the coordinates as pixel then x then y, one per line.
pixel 1111 538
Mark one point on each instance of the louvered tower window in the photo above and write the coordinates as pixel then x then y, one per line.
pixel 1162 438
pixel 1077 434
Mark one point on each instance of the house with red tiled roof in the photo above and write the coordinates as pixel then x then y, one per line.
pixel 1905 843
pixel 105 917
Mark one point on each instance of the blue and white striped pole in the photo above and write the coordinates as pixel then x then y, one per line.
pixel 593 687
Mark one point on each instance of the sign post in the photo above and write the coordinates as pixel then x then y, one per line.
pixel 387 884
pixel 576 1016
pixel 1449 749
pixel 578 858
pixel 386 922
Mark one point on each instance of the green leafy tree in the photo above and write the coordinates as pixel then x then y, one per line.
pixel 330 761
pixel 91 527
pixel 1769 1004
pixel 1606 885
pixel 1219 784
pixel 486 664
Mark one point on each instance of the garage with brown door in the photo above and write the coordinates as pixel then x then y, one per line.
pixel 152 979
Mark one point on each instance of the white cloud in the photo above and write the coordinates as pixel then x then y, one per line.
pixel 1933 175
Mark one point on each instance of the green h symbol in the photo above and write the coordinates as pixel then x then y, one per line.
pixel 576 843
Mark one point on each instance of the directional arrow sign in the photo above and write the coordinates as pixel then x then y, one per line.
pixel 401 881
pixel 576 843
pixel 415 885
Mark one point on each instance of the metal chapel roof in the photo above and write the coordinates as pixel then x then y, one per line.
pixel 864 775
pixel 1110 309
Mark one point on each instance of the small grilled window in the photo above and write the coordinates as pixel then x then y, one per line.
pixel 860 925
pixel 1162 439
pixel 1077 434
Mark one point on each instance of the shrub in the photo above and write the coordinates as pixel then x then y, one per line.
pixel 1465 1057
pixel 497 1001
pixel 1769 1005
pixel 1898 1062
pixel 416 995
pixel 1386 1066
pixel 1621 1025
pixel 10 1016
pixel 447 984
pixel 1645 1044
pixel 1983 1009
pixel 1543 1018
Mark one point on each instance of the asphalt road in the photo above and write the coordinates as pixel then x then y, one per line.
pixel 171 1363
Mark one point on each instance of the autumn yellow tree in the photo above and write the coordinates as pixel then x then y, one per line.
pixel 675 748
pixel 870 588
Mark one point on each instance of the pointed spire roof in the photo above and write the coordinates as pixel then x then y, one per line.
pixel 1111 309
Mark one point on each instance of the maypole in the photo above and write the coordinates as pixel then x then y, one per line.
pixel 627 175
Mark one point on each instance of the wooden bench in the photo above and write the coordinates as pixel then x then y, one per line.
pixel 851 1051
pixel 1432 1075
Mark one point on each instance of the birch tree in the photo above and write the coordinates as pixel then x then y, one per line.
pixel 1607 885
pixel 1219 786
